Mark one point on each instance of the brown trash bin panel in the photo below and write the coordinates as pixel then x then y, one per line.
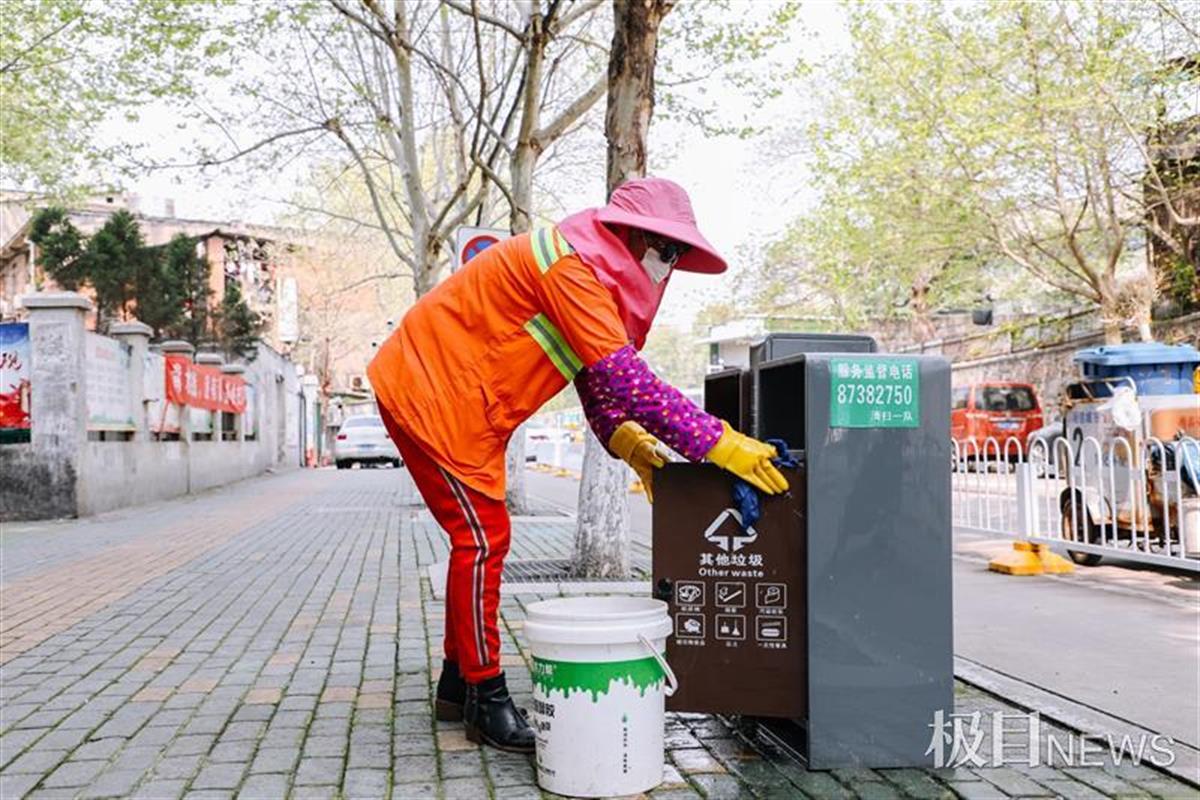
pixel 737 601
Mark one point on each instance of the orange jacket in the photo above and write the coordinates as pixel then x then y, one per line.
pixel 482 352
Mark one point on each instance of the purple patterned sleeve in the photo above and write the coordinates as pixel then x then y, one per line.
pixel 622 387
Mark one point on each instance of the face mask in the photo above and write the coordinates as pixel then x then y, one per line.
pixel 655 267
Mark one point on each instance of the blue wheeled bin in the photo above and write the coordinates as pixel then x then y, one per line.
pixel 1154 368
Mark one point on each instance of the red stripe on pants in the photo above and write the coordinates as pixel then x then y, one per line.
pixel 480 534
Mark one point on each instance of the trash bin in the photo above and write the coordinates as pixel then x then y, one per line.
pixel 728 395
pixel 781 345
pixel 858 552
pixel 778 346
pixel 1155 368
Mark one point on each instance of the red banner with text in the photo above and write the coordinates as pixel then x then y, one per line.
pixel 204 386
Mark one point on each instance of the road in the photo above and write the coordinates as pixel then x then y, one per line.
pixel 1120 638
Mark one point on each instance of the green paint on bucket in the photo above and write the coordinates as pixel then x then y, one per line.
pixel 595 677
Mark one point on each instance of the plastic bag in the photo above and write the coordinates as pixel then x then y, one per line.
pixel 1125 409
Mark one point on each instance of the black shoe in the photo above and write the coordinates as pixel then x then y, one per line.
pixel 493 719
pixel 451 693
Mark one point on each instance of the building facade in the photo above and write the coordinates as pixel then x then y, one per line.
pixel 262 259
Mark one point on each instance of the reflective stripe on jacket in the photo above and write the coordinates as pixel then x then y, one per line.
pixel 483 351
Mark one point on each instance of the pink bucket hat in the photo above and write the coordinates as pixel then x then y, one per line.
pixel 662 206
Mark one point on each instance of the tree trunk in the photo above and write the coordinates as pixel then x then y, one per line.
pixel 602 536
pixel 429 263
pixel 515 496
pixel 521 166
pixel 1112 332
pixel 1145 333
pixel 631 85
pixel 525 154
pixel 1110 317
pixel 923 329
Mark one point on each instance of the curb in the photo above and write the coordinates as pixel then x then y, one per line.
pixel 1070 714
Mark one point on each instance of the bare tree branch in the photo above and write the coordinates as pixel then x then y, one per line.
pixel 385 276
pixel 10 65
pixel 381 32
pixel 245 151
pixel 580 106
pixel 369 180
pixel 579 10
pixel 490 20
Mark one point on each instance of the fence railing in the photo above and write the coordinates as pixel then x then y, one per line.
pixel 1131 498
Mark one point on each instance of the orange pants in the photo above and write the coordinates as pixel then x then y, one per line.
pixel 480 534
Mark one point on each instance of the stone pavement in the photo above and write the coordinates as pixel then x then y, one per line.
pixel 278 638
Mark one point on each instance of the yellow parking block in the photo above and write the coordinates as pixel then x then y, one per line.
pixel 1027 558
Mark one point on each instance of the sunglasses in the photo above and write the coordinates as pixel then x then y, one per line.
pixel 668 249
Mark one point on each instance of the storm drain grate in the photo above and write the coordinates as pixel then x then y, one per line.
pixel 550 576
pixel 557 570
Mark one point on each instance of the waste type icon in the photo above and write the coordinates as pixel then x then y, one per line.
pixel 689 593
pixel 731 594
pixel 689 626
pixel 731 626
pixel 771 629
pixel 772 595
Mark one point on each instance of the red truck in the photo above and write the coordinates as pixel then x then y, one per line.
pixel 1005 411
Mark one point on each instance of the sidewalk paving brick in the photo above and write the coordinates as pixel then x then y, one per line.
pixel 279 638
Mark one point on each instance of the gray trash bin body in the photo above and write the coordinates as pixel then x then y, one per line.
pixel 874 584
pixel 880 614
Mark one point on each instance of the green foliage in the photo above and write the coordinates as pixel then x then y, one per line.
pixel 165 287
pixel 975 146
pixel 869 256
pixel 714 314
pixel 115 263
pixel 675 357
pixel 60 246
pixel 67 65
pixel 36 130
pixel 732 43
pixel 187 275
pixel 1182 283
pixel 238 327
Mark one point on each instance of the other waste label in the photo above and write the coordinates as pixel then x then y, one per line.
pixel 874 393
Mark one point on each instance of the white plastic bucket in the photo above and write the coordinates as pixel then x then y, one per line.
pixel 599 682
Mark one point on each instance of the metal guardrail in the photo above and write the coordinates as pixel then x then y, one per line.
pixel 1135 499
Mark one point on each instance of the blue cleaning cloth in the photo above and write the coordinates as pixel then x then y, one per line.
pixel 745 496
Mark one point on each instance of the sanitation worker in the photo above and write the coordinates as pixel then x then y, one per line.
pixel 479 354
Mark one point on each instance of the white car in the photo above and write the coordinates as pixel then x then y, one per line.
pixel 364 440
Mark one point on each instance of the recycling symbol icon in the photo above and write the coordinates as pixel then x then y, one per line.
pixel 727 533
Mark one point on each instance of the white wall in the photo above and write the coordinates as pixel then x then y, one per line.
pixel 102 475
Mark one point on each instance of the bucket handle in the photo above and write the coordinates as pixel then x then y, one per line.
pixel 672 681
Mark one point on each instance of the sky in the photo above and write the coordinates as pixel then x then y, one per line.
pixel 742 195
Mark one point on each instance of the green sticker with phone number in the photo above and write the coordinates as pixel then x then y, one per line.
pixel 874 393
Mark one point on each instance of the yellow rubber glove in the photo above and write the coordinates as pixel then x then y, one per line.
pixel 639 450
pixel 749 459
